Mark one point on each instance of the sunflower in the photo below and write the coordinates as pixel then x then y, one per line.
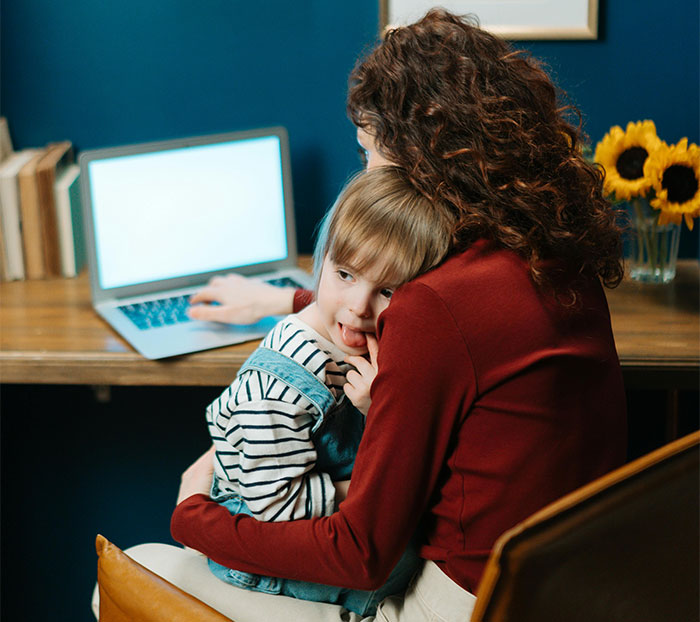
pixel 675 175
pixel 623 155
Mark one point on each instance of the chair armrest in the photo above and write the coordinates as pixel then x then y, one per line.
pixel 131 592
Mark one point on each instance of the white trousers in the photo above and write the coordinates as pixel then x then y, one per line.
pixel 431 597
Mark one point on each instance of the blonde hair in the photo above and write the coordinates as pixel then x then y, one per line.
pixel 380 216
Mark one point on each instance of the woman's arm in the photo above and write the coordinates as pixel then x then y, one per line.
pixel 236 299
pixel 415 406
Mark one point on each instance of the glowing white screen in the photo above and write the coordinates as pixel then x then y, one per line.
pixel 187 211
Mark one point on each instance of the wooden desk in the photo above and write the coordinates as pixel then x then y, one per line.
pixel 49 334
pixel 657 330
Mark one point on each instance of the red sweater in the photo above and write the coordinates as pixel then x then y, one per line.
pixel 491 401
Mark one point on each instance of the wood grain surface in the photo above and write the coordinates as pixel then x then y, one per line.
pixel 49 334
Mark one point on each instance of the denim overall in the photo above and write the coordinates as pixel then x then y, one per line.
pixel 336 435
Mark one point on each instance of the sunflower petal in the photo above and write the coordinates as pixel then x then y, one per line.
pixel 639 135
pixel 655 168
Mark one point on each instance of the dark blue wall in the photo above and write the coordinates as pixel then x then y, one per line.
pixel 105 73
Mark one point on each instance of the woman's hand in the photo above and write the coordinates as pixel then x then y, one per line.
pixel 359 380
pixel 239 300
pixel 197 478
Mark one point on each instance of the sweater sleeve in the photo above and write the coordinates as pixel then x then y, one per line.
pixel 302 298
pixel 415 407
pixel 265 445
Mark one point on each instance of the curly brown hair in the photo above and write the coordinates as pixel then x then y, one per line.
pixel 478 127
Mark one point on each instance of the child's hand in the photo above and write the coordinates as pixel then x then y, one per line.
pixel 360 379
pixel 197 477
pixel 341 490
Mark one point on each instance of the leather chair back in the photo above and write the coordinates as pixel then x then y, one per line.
pixel 624 548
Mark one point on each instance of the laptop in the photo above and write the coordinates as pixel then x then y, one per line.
pixel 162 218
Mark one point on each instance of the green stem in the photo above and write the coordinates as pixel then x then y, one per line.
pixel 664 253
pixel 639 230
pixel 647 236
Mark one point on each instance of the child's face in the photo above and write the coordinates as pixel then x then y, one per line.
pixel 349 304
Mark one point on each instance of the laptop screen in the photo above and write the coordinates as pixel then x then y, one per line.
pixel 187 210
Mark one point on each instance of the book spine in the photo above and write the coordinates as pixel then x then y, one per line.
pixel 65 233
pixel 49 224
pixel 67 203
pixel 3 258
pixel 31 226
pixel 12 234
pixel 76 208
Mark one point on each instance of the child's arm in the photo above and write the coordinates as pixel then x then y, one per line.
pixel 359 380
pixel 197 478
pixel 275 457
pixel 341 490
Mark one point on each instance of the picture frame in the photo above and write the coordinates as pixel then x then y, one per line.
pixel 510 19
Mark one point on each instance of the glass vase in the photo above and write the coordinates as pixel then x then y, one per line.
pixel 652 249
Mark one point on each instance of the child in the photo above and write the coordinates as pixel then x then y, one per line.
pixel 284 432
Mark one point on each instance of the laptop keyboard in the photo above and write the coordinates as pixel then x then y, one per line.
pixel 285 281
pixel 173 310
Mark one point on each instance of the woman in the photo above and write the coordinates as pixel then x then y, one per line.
pixel 498 387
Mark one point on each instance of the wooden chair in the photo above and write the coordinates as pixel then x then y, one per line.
pixel 623 548
pixel 131 593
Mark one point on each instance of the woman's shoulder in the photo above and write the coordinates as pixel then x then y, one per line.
pixel 481 268
pixel 487 289
pixel 489 274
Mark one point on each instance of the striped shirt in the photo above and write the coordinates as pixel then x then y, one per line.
pixel 261 428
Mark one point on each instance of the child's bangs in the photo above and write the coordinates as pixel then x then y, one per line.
pixel 372 250
pixel 380 224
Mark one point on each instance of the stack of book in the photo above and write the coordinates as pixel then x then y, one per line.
pixel 41 230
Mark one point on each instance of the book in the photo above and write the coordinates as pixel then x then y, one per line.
pixel 70 220
pixel 6 149
pixel 32 239
pixel 10 219
pixel 56 158
pixel 3 262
